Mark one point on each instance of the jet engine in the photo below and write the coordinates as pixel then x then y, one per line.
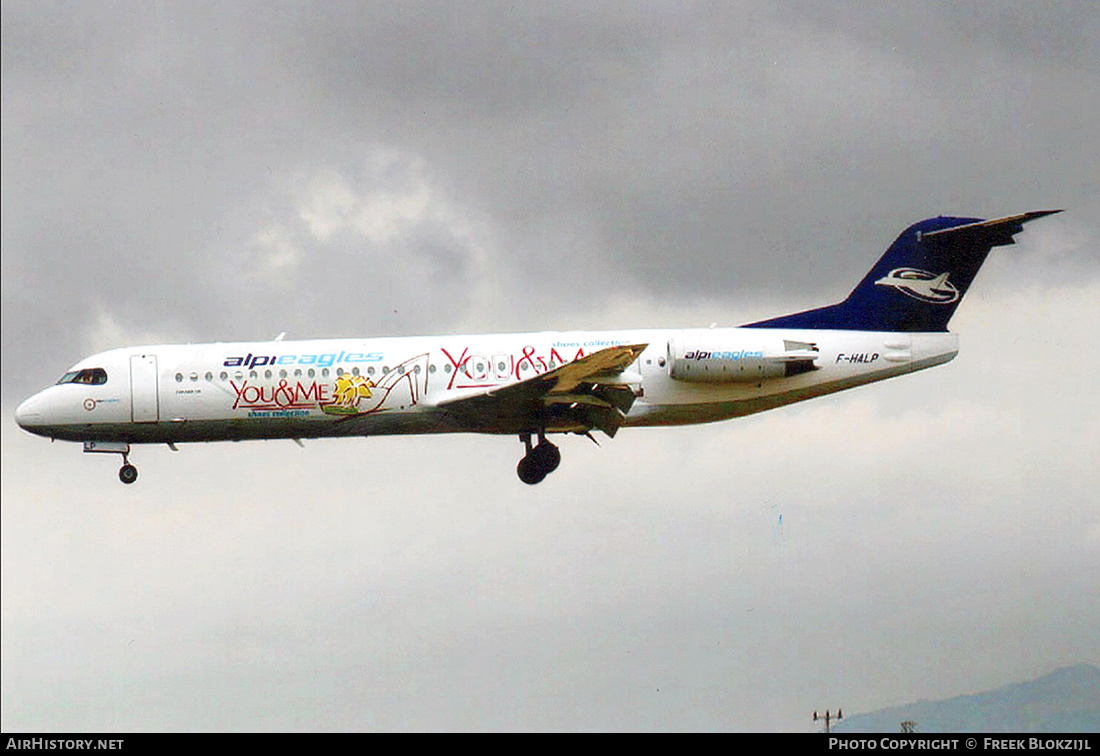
pixel 725 358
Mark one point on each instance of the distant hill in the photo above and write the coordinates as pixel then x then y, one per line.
pixel 1066 700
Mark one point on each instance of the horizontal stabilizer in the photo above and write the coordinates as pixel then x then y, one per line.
pixel 997 232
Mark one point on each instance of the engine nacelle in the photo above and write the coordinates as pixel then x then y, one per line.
pixel 725 359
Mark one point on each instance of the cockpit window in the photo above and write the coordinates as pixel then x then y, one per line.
pixel 89 376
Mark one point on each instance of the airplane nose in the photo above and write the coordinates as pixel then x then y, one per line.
pixel 29 413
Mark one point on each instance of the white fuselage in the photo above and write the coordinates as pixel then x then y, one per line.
pixel 345 387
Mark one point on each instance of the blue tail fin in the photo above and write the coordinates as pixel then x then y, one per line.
pixel 919 282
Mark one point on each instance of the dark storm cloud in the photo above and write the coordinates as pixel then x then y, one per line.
pixel 678 152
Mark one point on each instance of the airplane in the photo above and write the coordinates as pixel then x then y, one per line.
pixel 528 384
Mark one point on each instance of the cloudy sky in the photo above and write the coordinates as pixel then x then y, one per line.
pixel 178 172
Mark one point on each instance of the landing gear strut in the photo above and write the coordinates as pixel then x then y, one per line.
pixel 539 461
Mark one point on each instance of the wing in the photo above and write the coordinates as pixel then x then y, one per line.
pixel 591 392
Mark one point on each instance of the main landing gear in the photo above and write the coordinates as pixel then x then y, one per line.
pixel 539 461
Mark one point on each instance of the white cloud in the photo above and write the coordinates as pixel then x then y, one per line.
pixel 104 331
pixel 391 194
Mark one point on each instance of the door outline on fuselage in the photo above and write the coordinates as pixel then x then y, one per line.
pixel 144 393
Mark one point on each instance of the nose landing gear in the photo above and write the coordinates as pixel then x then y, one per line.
pixel 127 473
pixel 539 461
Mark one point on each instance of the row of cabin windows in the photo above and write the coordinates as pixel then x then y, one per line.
pixel 479 367
pixel 98 376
